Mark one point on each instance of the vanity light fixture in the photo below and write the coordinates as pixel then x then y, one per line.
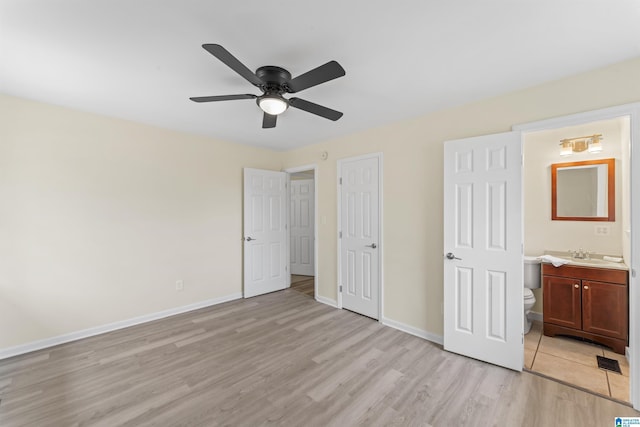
pixel 595 146
pixel 566 148
pixel 589 143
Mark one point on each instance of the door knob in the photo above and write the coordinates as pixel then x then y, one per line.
pixel 373 246
pixel 248 239
pixel 576 286
pixel 586 288
pixel 449 255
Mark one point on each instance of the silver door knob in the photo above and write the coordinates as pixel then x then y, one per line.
pixel 373 246
pixel 449 255
pixel 248 239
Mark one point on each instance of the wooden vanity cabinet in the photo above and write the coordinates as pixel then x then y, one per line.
pixel 586 302
pixel 562 301
pixel 605 309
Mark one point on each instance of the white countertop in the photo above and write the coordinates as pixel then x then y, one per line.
pixel 594 261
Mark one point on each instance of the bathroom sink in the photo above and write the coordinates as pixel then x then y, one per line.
pixel 595 262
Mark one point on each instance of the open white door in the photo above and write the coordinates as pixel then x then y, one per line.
pixel 302 226
pixel 359 246
pixel 483 289
pixel 265 203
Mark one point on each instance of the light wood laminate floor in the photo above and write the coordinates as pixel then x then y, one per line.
pixel 304 284
pixel 278 359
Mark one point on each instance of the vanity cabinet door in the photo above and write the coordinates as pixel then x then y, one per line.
pixel 604 309
pixel 562 302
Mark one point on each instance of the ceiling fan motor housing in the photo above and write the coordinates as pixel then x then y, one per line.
pixel 275 79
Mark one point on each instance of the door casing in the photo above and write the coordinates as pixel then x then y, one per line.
pixel 633 112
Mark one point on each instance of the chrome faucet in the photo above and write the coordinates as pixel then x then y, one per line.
pixel 579 254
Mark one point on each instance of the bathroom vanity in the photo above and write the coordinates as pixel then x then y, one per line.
pixel 588 302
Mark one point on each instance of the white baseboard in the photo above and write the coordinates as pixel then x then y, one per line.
pixel 327 301
pixel 534 315
pixel 86 333
pixel 438 339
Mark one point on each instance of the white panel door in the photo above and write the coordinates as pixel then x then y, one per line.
pixel 265 203
pixel 360 231
pixel 302 227
pixel 483 288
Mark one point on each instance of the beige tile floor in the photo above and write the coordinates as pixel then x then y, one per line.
pixel 574 362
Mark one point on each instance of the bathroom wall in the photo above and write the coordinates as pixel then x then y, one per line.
pixel 541 150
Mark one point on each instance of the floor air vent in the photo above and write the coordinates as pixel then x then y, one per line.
pixel 608 364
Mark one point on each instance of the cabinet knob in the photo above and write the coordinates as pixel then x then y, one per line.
pixel 586 288
pixel 576 286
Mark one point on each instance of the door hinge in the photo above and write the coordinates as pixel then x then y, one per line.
pixel 340 288
pixel 340 234
pixel 286 268
pixel 340 180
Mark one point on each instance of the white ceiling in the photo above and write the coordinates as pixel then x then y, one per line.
pixel 141 60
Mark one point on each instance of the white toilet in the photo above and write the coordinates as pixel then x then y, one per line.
pixel 531 281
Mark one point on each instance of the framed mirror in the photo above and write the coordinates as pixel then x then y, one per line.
pixel 583 191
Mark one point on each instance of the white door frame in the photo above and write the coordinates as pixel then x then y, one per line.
pixel 289 171
pixel 378 156
pixel 633 111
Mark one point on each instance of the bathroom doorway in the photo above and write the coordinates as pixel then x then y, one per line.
pixel 576 361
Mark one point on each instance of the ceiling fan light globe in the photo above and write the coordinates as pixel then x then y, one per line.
pixel 273 105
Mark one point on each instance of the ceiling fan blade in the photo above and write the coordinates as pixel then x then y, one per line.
pixel 329 71
pixel 222 98
pixel 316 109
pixel 269 121
pixel 232 62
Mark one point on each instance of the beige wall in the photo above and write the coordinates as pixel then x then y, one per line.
pixel 413 181
pixel 101 216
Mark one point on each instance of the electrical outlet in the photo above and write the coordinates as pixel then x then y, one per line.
pixel 179 285
pixel 602 230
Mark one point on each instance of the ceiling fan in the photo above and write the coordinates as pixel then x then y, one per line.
pixel 274 82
